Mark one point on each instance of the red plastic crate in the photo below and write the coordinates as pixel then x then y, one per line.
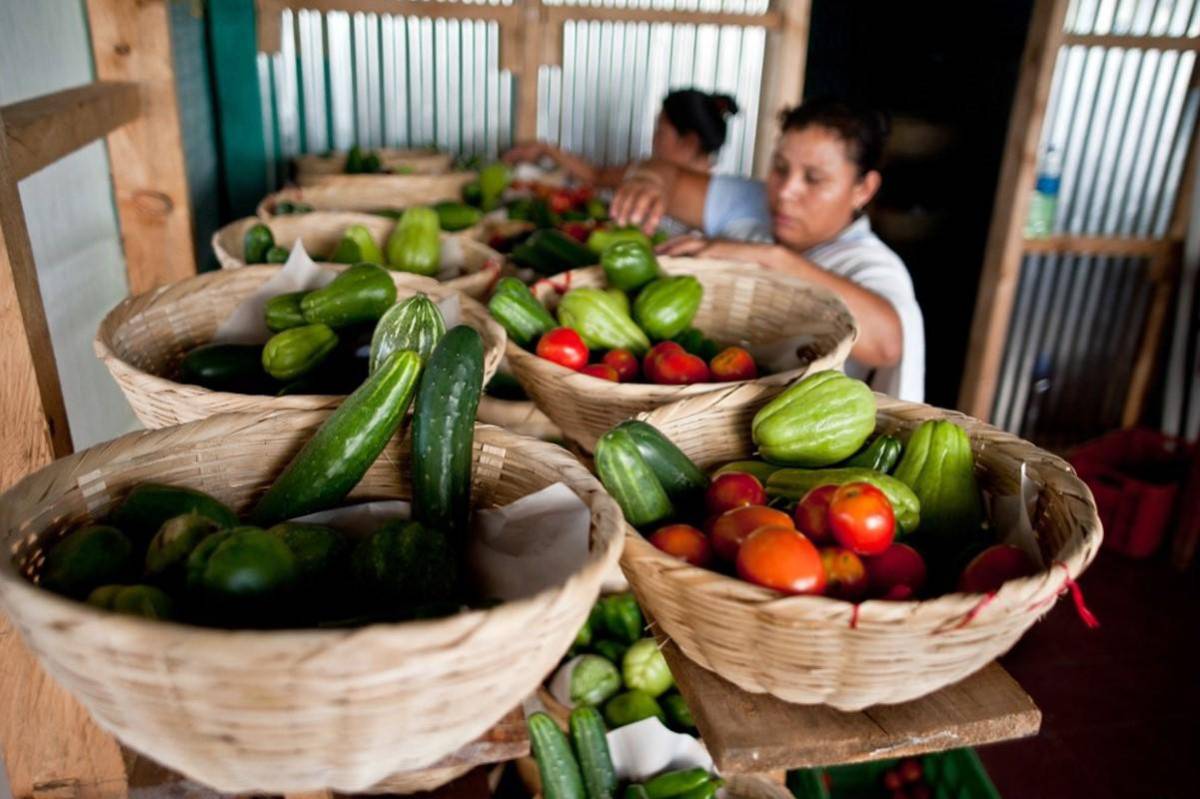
pixel 1136 475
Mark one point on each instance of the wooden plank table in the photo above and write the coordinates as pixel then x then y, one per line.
pixel 752 733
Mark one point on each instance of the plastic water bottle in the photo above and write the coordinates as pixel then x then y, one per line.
pixel 1044 206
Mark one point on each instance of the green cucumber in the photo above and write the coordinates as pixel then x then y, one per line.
pixel 359 294
pixel 283 311
pixel 679 477
pixel 757 469
pixel 149 505
pixel 297 351
pixel 443 430
pixel 454 216
pixel 519 312
pixel 635 791
pixel 881 455
pixel 705 790
pixel 558 768
pixel 345 446
pixel 256 243
pixel 591 750
pixel 630 480
pixel 795 483
pixel 224 367
pixel 676 783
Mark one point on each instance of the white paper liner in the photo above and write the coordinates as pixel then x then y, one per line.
pixel 246 325
pixel 646 748
pixel 1010 518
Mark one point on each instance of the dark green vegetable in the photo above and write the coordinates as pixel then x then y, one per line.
pixel 630 707
pixel 297 351
pixel 881 455
pixel 635 791
pixel 519 312
pixel 679 477
pixel 610 650
pixel 601 240
pixel 550 251
pixel 408 561
pixel 453 216
pixel 149 505
pixel 133 600
pixel 167 555
pixel 443 429
pixel 628 264
pixel 347 252
pixel 317 549
pixel 283 311
pixel 472 194
pixel 225 367
pixel 705 790
pixel 621 618
pixel 345 446
pixel 242 563
pixel 591 751
pixel 88 558
pixel 676 783
pixel 696 343
pixel 630 480
pixel 359 294
pixel 257 241
pixel 415 243
pixel 354 161
pixel 561 778
pixel 679 715
pixel 277 255
pixel 666 307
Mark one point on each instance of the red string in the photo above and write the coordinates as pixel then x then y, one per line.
pixel 1081 608
pixel 493 266
pixel 564 288
pixel 975 611
pixel 854 617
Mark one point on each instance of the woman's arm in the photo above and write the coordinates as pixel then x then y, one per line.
pixel 880 334
pixel 654 189
pixel 580 169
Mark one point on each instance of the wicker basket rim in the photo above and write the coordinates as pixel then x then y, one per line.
pixel 117 317
pixel 599 556
pixel 950 605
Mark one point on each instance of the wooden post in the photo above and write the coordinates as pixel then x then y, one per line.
pixel 1002 262
pixel 783 75
pixel 528 36
pixel 132 42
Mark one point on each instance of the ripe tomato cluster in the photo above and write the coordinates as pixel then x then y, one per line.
pixel 667 363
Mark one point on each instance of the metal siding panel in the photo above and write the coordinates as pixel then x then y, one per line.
pixel 287 90
pixel 341 80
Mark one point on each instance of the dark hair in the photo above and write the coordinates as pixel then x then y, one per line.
pixel 864 130
pixel 692 111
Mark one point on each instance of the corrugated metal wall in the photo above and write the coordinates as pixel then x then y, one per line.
pixel 389 80
pixel 1123 119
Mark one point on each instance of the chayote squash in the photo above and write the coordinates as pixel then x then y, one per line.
pixel 940 468
pixel 666 307
pixel 415 243
pixel 818 421
pixel 597 319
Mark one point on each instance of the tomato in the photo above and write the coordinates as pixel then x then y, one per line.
pixel 898 573
pixel 892 780
pixel 650 362
pixel 563 346
pixel 559 201
pixel 733 363
pixel 581 194
pixel 684 542
pixel 812 514
pixel 577 231
pixel 861 518
pixel 733 527
pixel 993 567
pixel 732 490
pixel 600 370
pixel 624 362
pixel 680 369
pixel 845 575
pixel 910 769
pixel 783 559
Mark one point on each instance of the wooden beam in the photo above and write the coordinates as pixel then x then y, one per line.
pixel 1164 271
pixel 1098 245
pixel 771 20
pixel 132 42
pixel 1131 42
pixel 42 130
pixel 526 38
pixel 782 76
pixel 1002 262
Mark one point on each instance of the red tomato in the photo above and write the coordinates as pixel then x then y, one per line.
pixel 783 559
pixel 812 514
pixel 563 346
pixel 601 370
pixel 650 362
pixel 898 573
pixel 845 575
pixel 910 769
pixel 559 201
pixel 733 363
pixel 861 518
pixel 993 567
pixel 892 780
pixel 577 231
pixel 680 369
pixel 581 194
pixel 733 527
pixel 732 490
pixel 684 542
pixel 624 362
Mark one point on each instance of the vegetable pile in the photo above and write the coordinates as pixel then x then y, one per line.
pixel 170 552
pixel 607 333
pixel 827 509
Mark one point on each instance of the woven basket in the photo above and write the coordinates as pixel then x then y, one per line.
pixel 371 192
pixel 817 650
pixel 313 168
pixel 519 416
pixel 742 303
pixel 285 711
pixel 143 339
pixel 479 265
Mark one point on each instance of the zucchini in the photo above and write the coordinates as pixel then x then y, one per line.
pixel 297 351
pixel 675 783
pixel 591 751
pixel 360 294
pixel 675 471
pixel 283 311
pixel 345 446
pixel 756 469
pixel 795 483
pixel 443 429
pixel 560 774
pixel 519 312
pixel 630 480
pixel 277 255
pixel 149 505
pixel 881 455
pixel 224 367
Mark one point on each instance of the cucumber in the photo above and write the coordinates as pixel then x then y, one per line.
pixel 705 790
pixel 795 483
pixel 283 311
pixel 256 243
pixel 277 255
pixel 519 312
pixel 675 783
pixel 675 471
pixel 149 505
pixel 345 446
pixel 360 294
pixel 224 367
pixel 296 351
pixel 443 429
pixel 881 455
pixel 454 216
pixel 591 750
pixel 757 469
pixel 630 480
pixel 560 774
pixel 636 791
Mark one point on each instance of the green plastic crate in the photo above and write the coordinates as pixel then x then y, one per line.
pixel 955 774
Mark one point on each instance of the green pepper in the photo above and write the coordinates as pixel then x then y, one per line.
pixel 628 265
pixel 622 618
pixel 613 650
pixel 630 707
pixel 645 668
pixel 696 343
pixel 679 715
pixel 255 244
pixel 676 783
pixel 601 240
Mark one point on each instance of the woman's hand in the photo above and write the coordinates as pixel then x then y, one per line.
pixel 528 152
pixel 643 196
pixel 696 247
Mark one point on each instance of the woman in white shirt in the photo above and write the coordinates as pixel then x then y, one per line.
pixel 806 220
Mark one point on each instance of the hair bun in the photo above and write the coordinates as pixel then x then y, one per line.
pixel 726 106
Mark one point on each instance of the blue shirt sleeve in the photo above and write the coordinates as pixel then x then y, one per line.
pixel 736 208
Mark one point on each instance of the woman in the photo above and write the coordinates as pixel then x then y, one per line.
pixel 808 221
pixel 689 132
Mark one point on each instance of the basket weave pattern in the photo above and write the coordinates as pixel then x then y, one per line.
pixel 371 192
pixel 143 339
pixel 313 168
pixel 320 232
pixel 742 304
pixel 817 650
pixel 297 710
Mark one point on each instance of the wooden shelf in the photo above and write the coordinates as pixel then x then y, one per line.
pixel 748 733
